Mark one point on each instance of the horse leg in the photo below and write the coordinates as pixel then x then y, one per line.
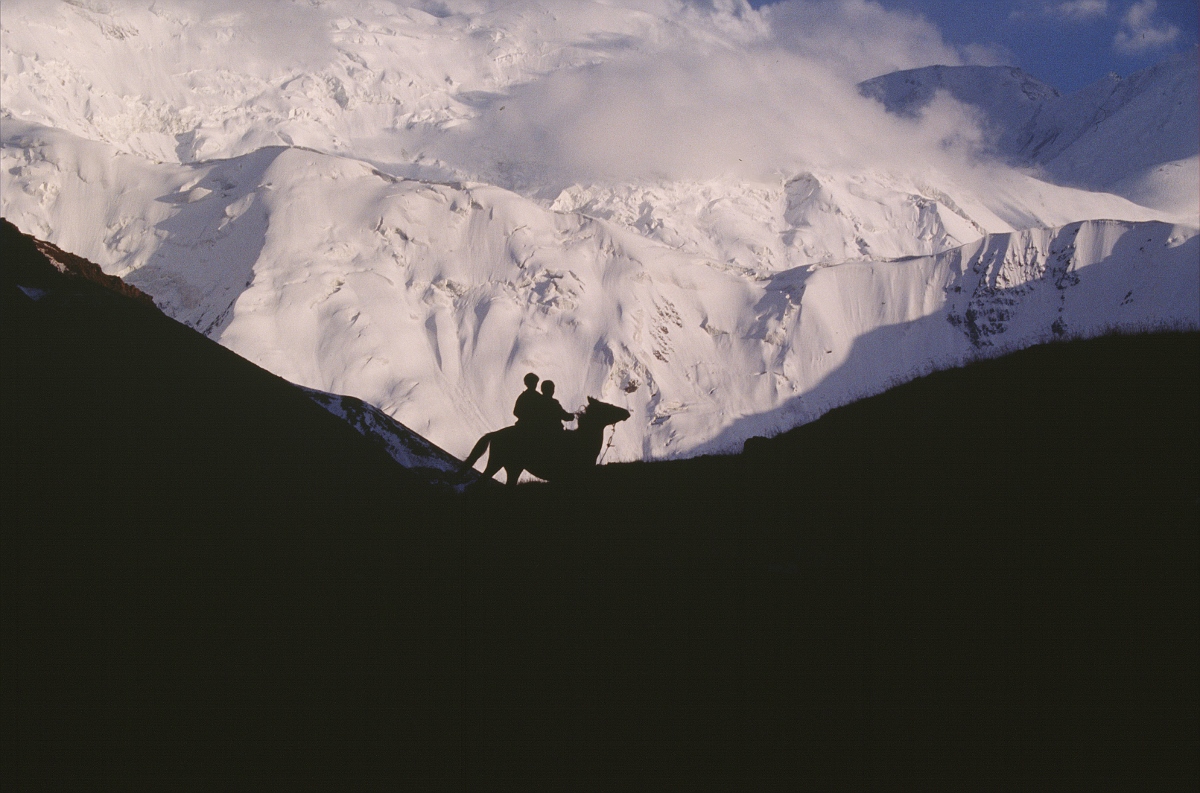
pixel 476 452
pixel 493 466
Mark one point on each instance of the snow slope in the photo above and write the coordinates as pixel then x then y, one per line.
pixel 356 211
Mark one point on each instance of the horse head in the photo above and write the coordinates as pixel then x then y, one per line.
pixel 602 413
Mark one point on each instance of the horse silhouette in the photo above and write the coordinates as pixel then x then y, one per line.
pixel 571 452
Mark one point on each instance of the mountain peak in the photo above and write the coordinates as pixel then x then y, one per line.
pixel 1133 136
pixel 1006 88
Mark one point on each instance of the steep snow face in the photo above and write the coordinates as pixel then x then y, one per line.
pixel 1138 137
pixel 415 206
pixel 825 217
pixel 861 327
pixel 1144 141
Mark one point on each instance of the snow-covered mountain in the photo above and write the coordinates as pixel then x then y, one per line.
pixel 1138 137
pixel 417 205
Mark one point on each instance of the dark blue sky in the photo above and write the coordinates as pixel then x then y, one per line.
pixel 1066 43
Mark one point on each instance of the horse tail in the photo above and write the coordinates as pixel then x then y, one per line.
pixel 478 451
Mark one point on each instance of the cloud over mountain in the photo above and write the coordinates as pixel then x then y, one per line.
pixel 1141 31
pixel 756 114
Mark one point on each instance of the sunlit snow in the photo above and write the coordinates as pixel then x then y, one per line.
pixel 661 206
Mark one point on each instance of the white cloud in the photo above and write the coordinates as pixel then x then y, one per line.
pixel 682 89
pixel 1081 10
pixel 1071 10
pixel 746 94
pixel 859 38
pixel 987 55
pixel 700 115
pixel 1140 31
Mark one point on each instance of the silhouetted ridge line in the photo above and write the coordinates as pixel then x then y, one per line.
pixel 1104 416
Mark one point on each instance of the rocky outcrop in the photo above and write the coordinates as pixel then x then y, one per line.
pixel 29 269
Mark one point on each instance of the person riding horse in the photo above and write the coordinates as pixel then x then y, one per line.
pixel 550 413
pixel 538 443
pixel 526 405
pixel 540 417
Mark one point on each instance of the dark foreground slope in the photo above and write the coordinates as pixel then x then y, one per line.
pixel 206 576
pixel 987 578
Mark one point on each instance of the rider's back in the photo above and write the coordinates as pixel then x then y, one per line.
pixel 553 414
pixel 528 407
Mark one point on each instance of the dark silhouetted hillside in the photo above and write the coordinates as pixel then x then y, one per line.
pixel 208 579
pixel 986 578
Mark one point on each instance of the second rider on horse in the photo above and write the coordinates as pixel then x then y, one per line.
pixel 540 417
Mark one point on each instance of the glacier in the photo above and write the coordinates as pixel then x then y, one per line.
pixel 355 212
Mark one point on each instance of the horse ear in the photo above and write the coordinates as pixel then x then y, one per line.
pixel 591 401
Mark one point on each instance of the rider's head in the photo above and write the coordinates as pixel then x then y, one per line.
pixel 548 387
pixel 531 380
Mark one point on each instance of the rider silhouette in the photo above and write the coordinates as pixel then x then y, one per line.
pixel 528 403
pixel 540 416
pixel 550 414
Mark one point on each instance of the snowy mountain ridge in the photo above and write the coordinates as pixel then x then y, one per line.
pixel 432 300
pixel 1138 137
pixel 415 208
